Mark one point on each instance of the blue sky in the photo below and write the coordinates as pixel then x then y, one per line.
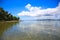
pixel 16 6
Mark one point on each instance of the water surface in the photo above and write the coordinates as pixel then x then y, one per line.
pixel 30 30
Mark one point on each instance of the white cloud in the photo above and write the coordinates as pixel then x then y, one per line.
pixel 38 11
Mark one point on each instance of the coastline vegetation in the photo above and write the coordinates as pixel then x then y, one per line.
pixel 6 16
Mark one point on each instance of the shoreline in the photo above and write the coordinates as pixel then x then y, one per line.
pixel 8 21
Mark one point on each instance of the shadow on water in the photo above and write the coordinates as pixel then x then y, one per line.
pixel 4 26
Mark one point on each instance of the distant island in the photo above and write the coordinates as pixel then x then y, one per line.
pixel 6 16
pixel 43 20
pixel 48 20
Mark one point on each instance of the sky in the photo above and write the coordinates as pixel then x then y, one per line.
pixel 32 9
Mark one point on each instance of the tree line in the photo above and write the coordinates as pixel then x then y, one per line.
pixel 5 16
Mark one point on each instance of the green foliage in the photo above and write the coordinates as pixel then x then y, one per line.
pixel 5 16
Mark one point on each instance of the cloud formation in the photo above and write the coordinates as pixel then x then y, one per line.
pixel 38 11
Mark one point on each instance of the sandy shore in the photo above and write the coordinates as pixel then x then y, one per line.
pixel 9 21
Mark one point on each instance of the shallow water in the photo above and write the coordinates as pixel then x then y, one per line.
pixel 30 30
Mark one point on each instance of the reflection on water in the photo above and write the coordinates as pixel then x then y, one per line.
pixel 33 30
pixel 4 26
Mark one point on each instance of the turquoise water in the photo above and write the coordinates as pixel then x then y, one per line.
pixel 32 30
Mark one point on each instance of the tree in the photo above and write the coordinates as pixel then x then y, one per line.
pixel 5 16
